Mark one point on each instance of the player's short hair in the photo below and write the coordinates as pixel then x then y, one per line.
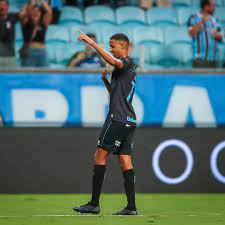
pixel 203 3
pixel 120 37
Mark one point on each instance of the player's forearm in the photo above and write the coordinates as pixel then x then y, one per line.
pixel 107 84
pixel 106 56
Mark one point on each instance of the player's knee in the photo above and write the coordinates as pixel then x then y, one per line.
pixel 125 163
pixel 99 158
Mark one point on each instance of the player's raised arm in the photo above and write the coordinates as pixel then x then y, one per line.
pixel 103 53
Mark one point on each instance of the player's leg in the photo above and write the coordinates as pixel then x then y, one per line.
pixel 125 162
pixel 100 161
pixel 99 171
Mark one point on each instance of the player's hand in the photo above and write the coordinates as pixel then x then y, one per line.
pixel 105 71
pixel 85 38
pixel 216 35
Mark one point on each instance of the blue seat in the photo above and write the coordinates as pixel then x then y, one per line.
pixel 71 15
pixel 162 16
pixel 220 14
pixel 96 14
pixel 57 34
pixel 148 35
pixel 196 3
pixel 185 13
pixel 65 52
pixel 17 4
pixel 108 32
pixel 221 53
pixel 145 50
pixel 18 45
pixel 132 2
pixel 219 3
pixel 130 14
pixel 177 35
pixel 181 3
pixel 51 53
pixel 136 54
pixel 14 9
pixel 18 32
pixel 175 55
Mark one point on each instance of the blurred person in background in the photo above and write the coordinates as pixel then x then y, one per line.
pixel 7 35
pixel 88 58
pixel 35 18
pixel 205 31
pixel 163 3
pixel 145 4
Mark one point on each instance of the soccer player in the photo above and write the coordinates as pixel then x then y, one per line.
pixel 118 130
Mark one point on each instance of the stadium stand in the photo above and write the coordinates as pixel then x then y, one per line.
pixel 181 3
pixel 220 14
pixel 149 35
pixel 130 14
pixel 57 34
pixel 151 29
pixel 181 36
pixel 99 14
pixel 174 55
pixel 184 14
pixel 72 15
pixel 162 17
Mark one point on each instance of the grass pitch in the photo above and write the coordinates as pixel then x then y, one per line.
pixel 154 209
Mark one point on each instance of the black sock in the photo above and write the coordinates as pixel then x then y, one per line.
pixel 129 181
pixel 97 181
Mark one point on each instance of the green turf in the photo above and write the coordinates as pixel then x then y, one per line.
pixel 157 209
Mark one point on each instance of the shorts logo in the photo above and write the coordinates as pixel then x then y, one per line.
pixel 99 142
pixel 117 143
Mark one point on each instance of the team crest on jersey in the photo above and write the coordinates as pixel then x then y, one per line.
pixel 117 143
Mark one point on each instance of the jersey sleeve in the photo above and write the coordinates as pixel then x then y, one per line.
pixel 126 63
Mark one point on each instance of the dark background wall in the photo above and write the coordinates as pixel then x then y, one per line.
pixel 54 160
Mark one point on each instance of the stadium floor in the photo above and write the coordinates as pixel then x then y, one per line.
pixel 157 209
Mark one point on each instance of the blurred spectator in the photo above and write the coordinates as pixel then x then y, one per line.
pixel 87 59
pixel 163 3
pixel 205 32
pixel 145 4
pixel 35 18
pixel 119 3
pixel 7 33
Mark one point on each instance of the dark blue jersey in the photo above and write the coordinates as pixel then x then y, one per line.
pixel 123 85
